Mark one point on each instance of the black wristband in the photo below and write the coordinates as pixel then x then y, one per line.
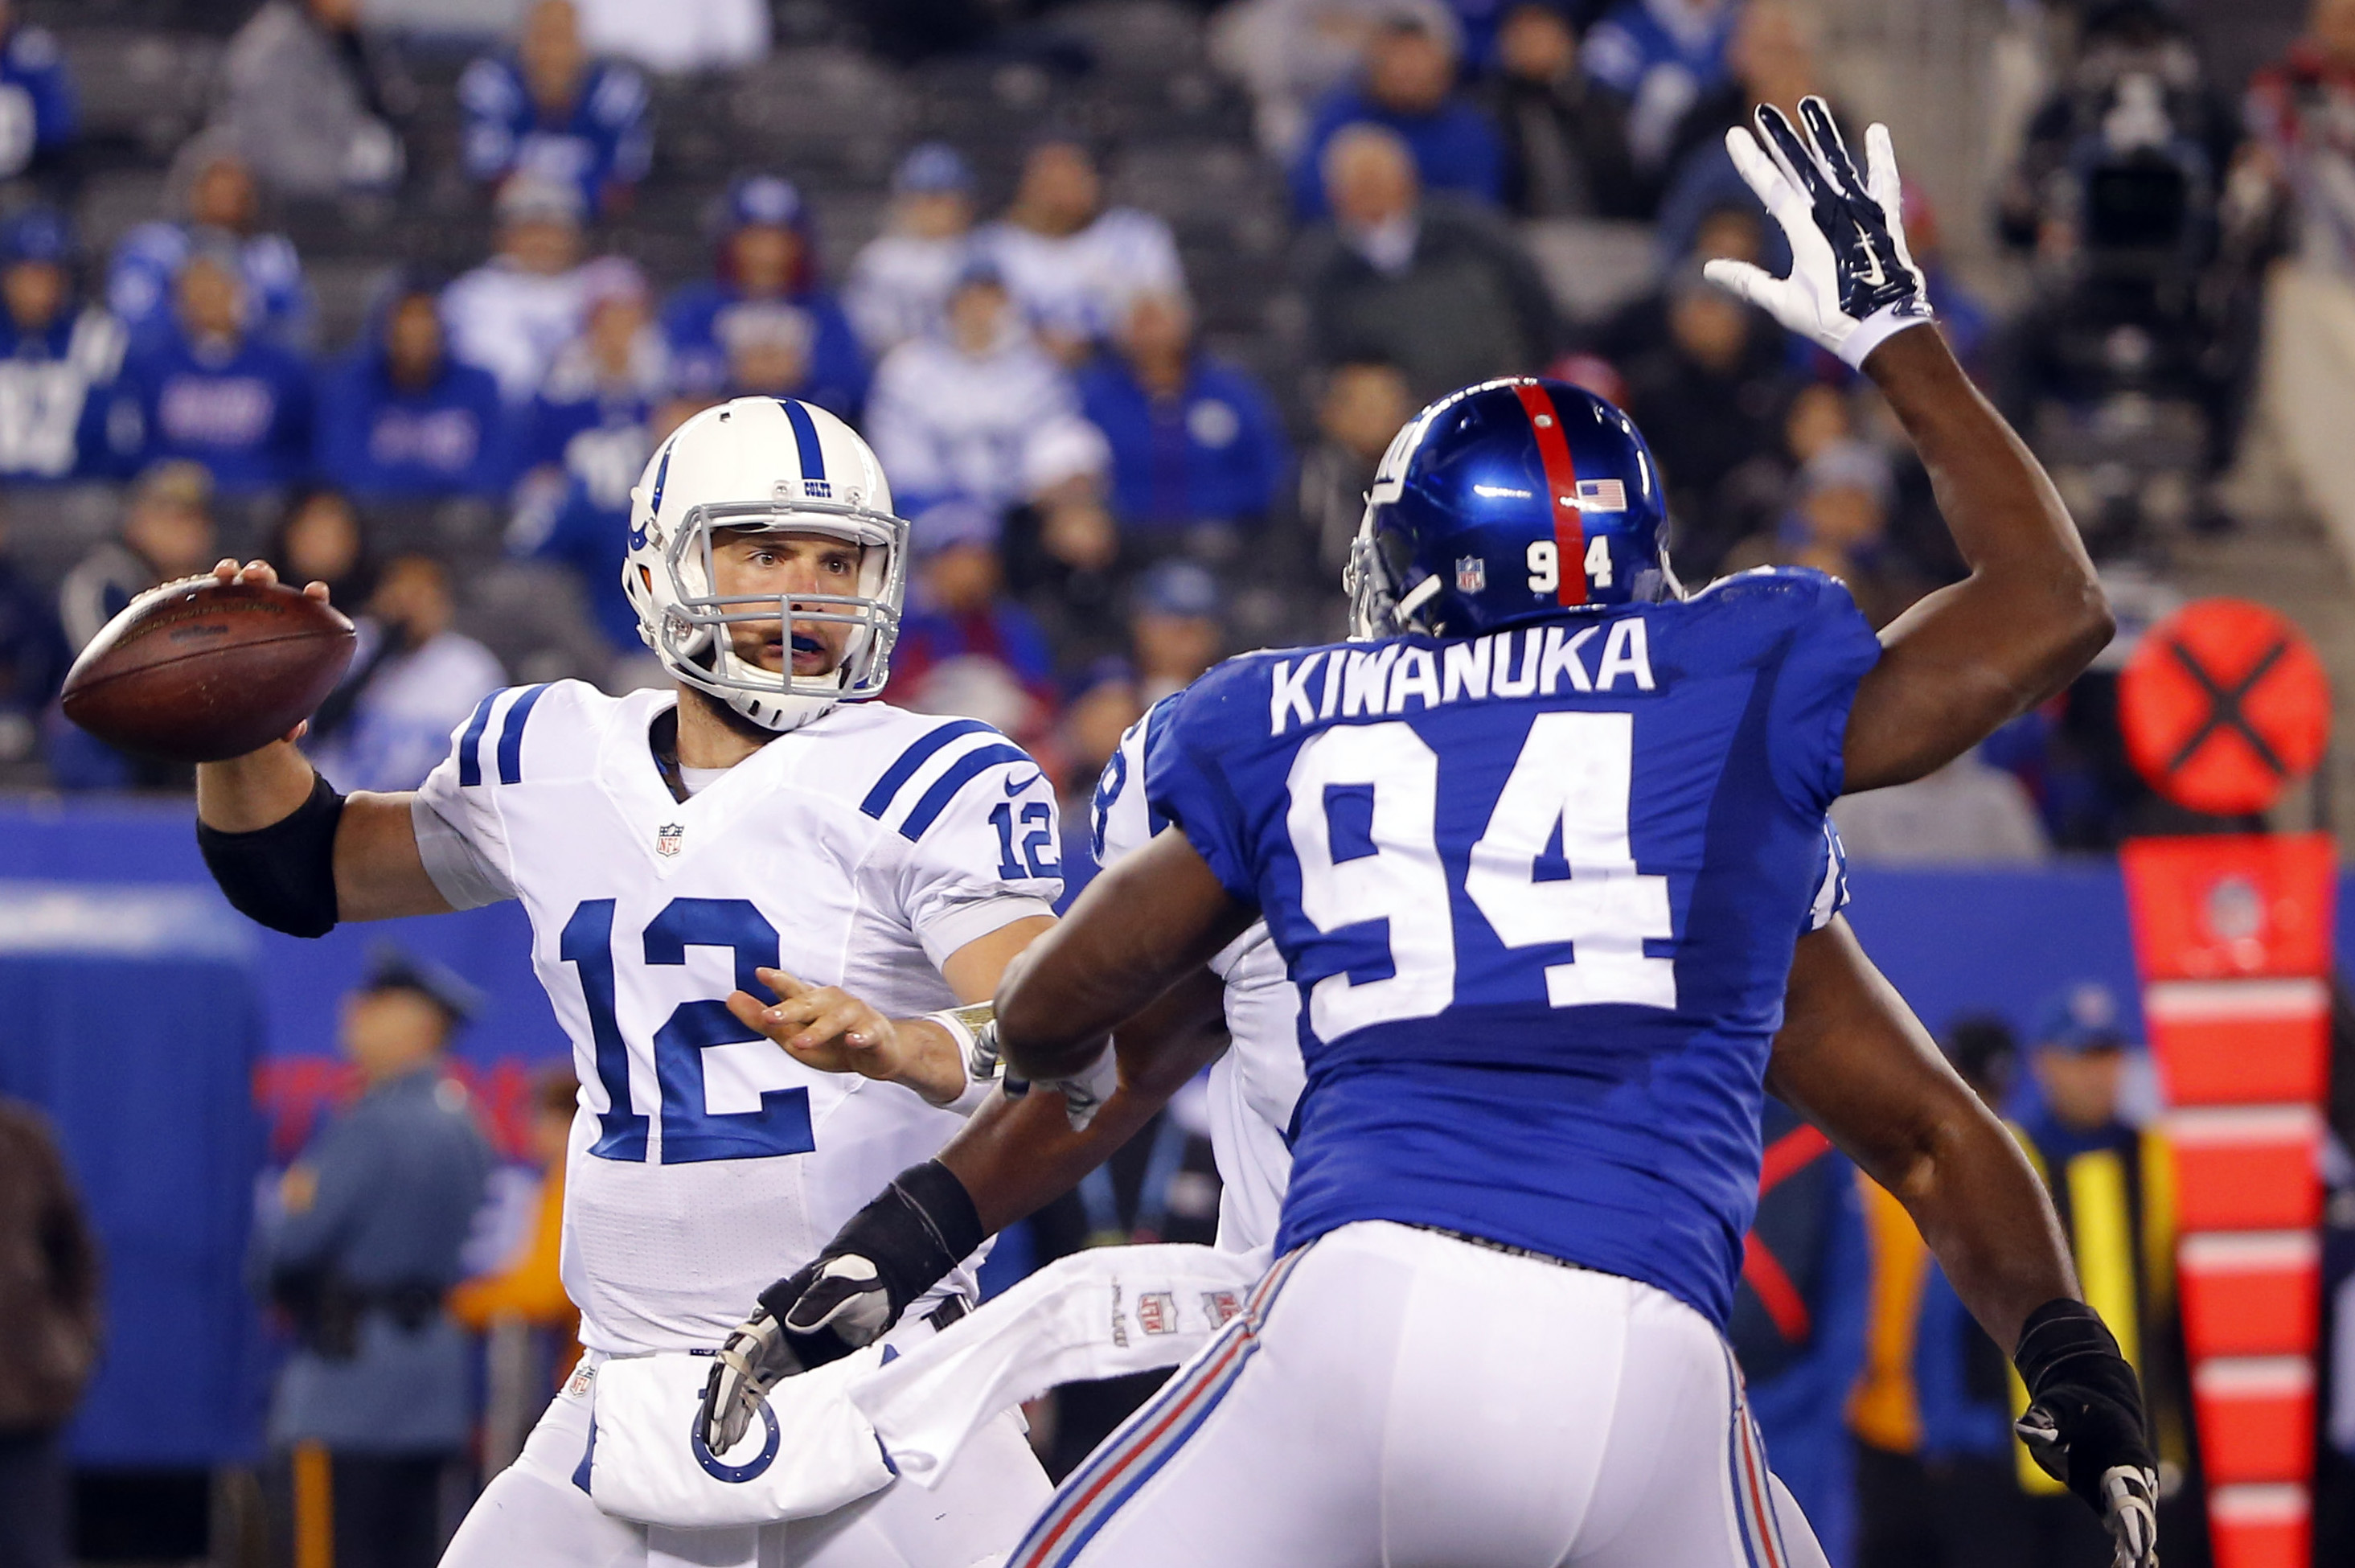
pixel 2058 1333
pixel 914 1233
pixel 282 875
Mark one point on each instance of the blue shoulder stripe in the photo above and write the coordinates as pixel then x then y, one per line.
pixel 878 799
pixel 470 744
pixel 1157 732
pixel 813 456
pixel 511 735
pixel 959 773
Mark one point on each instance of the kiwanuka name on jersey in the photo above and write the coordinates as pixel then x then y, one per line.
pixel 1539 891
pixel 859 850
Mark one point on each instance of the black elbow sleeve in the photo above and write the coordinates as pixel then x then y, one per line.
pixel 282 875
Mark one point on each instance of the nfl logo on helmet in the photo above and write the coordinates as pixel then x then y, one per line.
pixel 1471 574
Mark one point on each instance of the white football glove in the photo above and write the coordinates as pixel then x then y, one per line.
pixel 1853 283
pixel 1083 1092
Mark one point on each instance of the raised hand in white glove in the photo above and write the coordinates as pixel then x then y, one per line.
pixel 1853 284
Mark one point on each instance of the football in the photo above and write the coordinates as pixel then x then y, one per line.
pixel 198 670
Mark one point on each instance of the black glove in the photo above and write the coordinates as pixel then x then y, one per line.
pixel 2084 1423
pixel 891 1252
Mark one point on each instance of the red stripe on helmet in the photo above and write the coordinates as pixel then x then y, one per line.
pixel 1561 490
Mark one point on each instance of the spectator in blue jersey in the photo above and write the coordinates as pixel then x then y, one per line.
pixel 401 419
pixel 1798 1320
pixel 901 280
pixel 1407 86
pixel 1662 57
pixel 215 393
pixel 766 257
pixel 58 364
pixel 966 647
pixel 1194 441
pixel 224 210
pixel 40 118
pixel 587 529
pixel 609 375
pixel 550 112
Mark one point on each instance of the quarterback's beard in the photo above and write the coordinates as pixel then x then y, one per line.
pixel 735 722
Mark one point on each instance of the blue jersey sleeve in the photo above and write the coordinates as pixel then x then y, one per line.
pixel 1187 773
pixel 1830 648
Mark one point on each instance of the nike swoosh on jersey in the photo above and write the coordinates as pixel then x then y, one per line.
pixel 1015 787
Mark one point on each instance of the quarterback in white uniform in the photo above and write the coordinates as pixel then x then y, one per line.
pixel 764 858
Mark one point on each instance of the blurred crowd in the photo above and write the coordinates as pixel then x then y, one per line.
pixel 1134 434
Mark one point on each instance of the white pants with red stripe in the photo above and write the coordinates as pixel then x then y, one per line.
pixel 1396 1398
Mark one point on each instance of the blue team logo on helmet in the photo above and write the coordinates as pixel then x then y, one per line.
pixel 1509 501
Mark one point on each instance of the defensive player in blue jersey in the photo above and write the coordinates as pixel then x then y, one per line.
pixel 1536 861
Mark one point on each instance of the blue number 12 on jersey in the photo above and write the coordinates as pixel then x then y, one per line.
pixel 690 1133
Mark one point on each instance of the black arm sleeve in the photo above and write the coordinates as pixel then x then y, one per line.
pixel 282 875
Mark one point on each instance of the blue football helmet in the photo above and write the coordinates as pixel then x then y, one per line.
pixel 1511 501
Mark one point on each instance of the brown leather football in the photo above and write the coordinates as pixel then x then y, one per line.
pixel 200 671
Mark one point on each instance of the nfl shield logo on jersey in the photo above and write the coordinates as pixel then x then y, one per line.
pixel 667 838
pixel 1471 574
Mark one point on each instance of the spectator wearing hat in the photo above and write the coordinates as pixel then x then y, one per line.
pixel 1438 288
pixel 58 364
pixel 900 279
pixel 766 260
pixel 964 415
pixel 167 533
pixel 313 100
pixel 212 391
pixel 609 375
pixel 964 646
pixel 413 679
pixel 2109 1185
pixel 1072 262
pixel 1177 626
pixel 224 208
pixel 587 530
pixel 548 111
pixel 360 1249
pixel 1408 87
pixel 402 418
pixel 49 1297
pixel 512 314
pixel 38 109
pixel 1195 443
pixel 1660 56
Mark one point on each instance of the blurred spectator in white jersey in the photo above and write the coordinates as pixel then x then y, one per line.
pixel 900 279
pixel 58 364
pixel 1072 262
pixel 1661 57
pixel 512 314
pixel 412 681
pixel 549 111
pixel 603 381
pixel 312 100
pixel 965 413
pixel 224 206
pixel 675 37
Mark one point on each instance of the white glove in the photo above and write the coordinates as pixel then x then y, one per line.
pixel 1083 1092
pixel 1853 284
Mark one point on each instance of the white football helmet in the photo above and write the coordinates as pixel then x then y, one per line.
pixel 777 465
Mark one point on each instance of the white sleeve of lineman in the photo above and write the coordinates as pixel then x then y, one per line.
pixel 1832 879
pixel 988 858
pixel 458 835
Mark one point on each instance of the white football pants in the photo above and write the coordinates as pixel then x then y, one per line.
pixel 1395 1398
pixel 533 1515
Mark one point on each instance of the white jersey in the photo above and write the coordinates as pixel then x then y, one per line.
pixel 1255 1086
pixel 861 850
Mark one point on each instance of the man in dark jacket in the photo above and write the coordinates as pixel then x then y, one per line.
pixel 1442 291
pixel 49 1302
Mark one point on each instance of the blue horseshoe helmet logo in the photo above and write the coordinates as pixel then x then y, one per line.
pixel 735 1475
